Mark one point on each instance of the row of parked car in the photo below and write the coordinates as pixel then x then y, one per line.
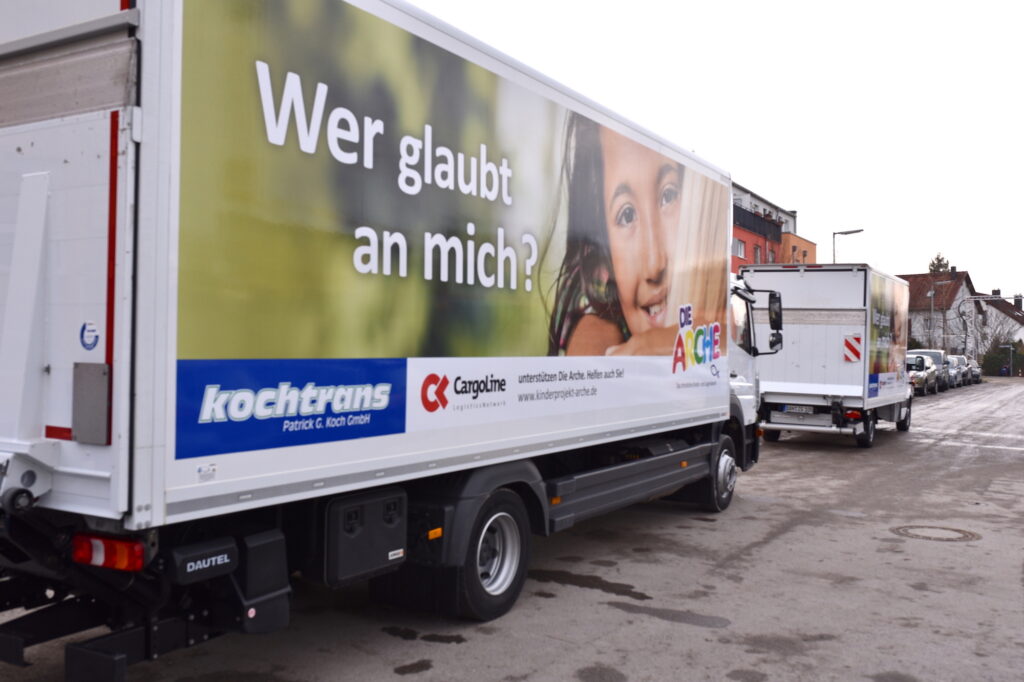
pixel 933 370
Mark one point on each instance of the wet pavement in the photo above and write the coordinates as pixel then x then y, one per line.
pixel 897 563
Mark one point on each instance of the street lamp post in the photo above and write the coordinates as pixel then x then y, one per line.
pixel 931 317
pixel 834 241
pixel 963 320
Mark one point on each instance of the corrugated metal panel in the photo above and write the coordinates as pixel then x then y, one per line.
pixel 98 73
pixel 812 316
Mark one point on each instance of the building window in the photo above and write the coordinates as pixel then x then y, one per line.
pixel 757 254
pixel 771 255
pixel 739 248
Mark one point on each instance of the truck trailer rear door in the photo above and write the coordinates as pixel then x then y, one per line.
pixel 67 170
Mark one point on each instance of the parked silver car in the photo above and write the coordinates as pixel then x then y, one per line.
pixel 975 370
pixel 941 365
pixel 923 374
pixel 958 367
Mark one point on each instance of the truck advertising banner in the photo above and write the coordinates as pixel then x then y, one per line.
pixel 379 234
pixel 888 343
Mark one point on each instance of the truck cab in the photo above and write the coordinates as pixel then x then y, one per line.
pixel 744 383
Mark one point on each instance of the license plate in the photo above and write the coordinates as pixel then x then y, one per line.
pixel 799 409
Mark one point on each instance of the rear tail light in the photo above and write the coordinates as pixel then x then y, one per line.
pixel 120 555
pixel 852 414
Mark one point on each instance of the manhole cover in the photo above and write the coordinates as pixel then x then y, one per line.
pixel 937 533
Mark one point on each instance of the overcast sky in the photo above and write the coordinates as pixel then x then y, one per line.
pixel 903 119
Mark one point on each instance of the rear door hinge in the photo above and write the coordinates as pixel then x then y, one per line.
pixel 135 118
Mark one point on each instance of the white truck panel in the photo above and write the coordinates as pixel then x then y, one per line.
pixel 812 361
pixel 434 443
pixel 89 154
pixel 819 287
pixel 21 19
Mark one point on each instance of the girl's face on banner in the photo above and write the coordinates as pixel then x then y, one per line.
pixel 642 191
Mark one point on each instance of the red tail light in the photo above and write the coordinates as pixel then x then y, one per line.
pixel 852 414
pixel 120 555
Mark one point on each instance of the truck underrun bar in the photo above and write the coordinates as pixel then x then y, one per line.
pixel 847 430
pixel 670 464
pixel 66 618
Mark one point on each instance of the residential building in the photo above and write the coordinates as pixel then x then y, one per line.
pixel 765 233
pixel 796 249
pixel 947 312
pixel 1006 319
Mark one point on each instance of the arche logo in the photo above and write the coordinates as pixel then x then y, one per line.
pixel 432 392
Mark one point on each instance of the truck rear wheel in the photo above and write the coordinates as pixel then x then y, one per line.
pixel 866 438
pixel 494 571
pixel 716 490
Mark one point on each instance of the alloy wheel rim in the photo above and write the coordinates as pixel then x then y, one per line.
pixel 497 553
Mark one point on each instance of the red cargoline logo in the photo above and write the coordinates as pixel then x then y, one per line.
pixel 432 393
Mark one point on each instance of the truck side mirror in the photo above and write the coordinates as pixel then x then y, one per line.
pixel 775 341
pixel 775 314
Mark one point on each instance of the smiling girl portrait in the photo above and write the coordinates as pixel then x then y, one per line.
pixel 634 217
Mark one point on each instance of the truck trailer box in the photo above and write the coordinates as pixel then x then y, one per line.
pixel 844 363
pixel 277 276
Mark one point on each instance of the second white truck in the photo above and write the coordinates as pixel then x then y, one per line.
pixel 844 365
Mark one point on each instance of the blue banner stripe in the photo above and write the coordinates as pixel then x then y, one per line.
pixel 239 405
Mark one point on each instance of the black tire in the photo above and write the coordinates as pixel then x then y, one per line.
pixel 935 388
pixel 715 492
pixel 904 424
pixel 772 436
pixel 494 571
pixel 867 438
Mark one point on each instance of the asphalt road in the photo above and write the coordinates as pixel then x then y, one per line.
pixel 899 563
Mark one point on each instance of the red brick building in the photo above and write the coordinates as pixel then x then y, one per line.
pixel 755 239
pixel 764 233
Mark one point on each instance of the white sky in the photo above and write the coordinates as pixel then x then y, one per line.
pixel 901 118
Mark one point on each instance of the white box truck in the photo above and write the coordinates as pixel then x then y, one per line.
pixel 329 287
pixel 844 364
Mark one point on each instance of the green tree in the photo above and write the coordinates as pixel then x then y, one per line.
pixel 938 264
pixel 998 357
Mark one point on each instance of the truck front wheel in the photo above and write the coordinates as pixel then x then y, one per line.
pixel 904 424
pixel 716 490
pixel 499 552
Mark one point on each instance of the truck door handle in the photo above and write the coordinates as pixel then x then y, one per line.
pixel 733 374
